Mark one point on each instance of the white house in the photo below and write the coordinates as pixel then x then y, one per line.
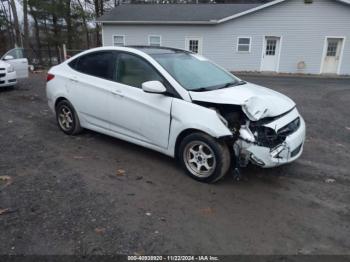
pixel 290 36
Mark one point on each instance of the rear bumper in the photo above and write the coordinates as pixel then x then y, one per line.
pixel 288 151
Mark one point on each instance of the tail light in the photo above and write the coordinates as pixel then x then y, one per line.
pixel 49 77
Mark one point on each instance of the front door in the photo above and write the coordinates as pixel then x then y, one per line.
pixel 134 113
pixel 332 55
pixel 270 54
pixel 194 44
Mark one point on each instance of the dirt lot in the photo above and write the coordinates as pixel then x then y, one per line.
pixel 66 197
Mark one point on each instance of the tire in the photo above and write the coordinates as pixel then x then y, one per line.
pixel 199 150
pixel 67 118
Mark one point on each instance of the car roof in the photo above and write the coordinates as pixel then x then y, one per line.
pixel 137 49
pixel 157 50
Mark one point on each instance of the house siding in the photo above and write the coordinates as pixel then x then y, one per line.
pixel 302 28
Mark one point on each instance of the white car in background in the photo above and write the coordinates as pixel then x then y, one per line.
pixel 8 75
pixel 178 103
pixel 13 65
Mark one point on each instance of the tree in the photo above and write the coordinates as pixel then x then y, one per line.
pixel 25 25
pixel 16 23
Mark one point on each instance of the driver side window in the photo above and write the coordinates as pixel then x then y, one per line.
pixel 133 71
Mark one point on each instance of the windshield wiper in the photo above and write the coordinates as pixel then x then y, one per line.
pixel 201 89
pixel 230 84
pixel 241 83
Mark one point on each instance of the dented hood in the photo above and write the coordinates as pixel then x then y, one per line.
pixel 257 102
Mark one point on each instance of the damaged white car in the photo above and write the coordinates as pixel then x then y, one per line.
pixel 177 103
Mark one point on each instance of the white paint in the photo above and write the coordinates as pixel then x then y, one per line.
pixel 155 121
pixel 250 44
pixel 113 41
pixel 258 101
pixel 18 61
pixel 158 36
pixel 4 70
pixel 270 59
pixel 332 64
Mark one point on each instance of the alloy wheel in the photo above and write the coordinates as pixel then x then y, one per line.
pixel 199 159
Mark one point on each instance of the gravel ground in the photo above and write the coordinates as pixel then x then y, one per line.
pixel 66 196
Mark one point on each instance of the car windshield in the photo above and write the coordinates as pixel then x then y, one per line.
pixel 194 72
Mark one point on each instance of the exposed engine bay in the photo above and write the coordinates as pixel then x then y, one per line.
pixel 261 142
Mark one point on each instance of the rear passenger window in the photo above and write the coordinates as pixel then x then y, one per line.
pixel 99 64
pixel 133 71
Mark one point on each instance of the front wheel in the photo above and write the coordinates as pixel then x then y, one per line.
pixel 204 158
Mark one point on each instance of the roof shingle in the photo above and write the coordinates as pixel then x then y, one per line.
pixel 169 13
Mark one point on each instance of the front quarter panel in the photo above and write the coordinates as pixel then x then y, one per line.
pixel 186 115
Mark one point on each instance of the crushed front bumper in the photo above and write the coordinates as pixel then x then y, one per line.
pixel 284 153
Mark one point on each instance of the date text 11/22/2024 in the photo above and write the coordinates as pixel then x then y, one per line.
pixel 173 258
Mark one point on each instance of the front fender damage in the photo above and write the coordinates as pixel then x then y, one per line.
pixel 254 137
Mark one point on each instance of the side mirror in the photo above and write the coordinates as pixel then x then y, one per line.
pixel 8 57
pixel 155 87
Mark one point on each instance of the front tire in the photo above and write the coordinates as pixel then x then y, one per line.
pixel 67 118
pixel 204 158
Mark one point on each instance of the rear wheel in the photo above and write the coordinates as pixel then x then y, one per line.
pixel 204 158
pixel 67 118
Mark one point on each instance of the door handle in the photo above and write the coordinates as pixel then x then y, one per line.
pixel 117 93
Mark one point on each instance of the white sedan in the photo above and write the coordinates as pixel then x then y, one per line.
pixel 178 103
pixel 8 75
pixel 13 65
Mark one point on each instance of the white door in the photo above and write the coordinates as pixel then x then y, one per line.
pixel 332 55
pixel 16 58
pixel 270 53
pixel 134 113
pixel 194 44
pixel 90 85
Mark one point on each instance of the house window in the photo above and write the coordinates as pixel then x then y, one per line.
pixel 243 44
pixel 119 40
pixel 332 48
pixel 193 46
pixel 271 47
pixel 154 40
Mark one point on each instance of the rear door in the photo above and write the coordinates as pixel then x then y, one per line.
pixel 18 61
pixel 134 113
pixel 89 86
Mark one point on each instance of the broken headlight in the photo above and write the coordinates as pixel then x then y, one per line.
pixel 266 136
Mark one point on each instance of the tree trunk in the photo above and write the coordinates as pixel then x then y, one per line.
pixel 69 24
pixel 101 7
pixel 48 43
pixel 9 30
pixel 56 32
pixel 25 26
pixel 16 23
pixel 85 25
pixel 97 14
pixel 37 35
